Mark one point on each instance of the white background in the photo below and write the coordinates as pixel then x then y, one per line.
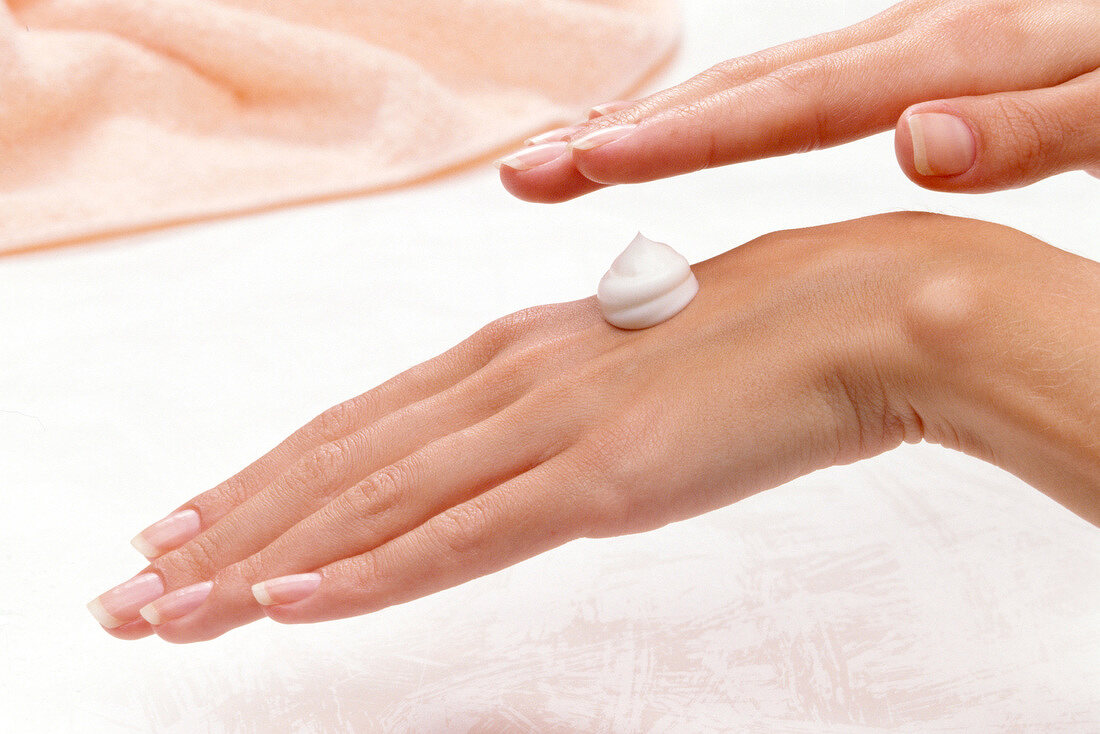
pixel 921 590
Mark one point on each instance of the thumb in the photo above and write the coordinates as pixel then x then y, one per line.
pixel 1004 140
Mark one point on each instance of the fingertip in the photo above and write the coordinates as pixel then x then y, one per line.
pixel 293 613
pixel 636 153
pixel 135 630
pixel 550 183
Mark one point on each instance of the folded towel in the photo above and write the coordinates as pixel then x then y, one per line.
pixel 124 114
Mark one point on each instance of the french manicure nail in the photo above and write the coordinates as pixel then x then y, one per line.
pixel 553 136
pixel 607 108
pixel 943 144
pixel 175 604
pixel 286 589
pixel 120 605
pixel 164 535
pixel 603 136
pixel 536 155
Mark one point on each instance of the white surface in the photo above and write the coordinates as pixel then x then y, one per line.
pixel 921 591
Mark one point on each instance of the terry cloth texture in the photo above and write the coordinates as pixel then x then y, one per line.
pixel 123 114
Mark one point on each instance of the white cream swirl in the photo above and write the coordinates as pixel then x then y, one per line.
pixel 647 284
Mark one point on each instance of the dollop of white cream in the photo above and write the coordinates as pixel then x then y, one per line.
pixel 648 283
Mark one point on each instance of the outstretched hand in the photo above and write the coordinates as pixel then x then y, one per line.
pixel 803 349
pixel 983 95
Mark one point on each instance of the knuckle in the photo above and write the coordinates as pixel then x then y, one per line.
pixel 736 70
pixel 961 16
pixel 501 333
pixel 366 572
pixel 602 456
pixel 810 83
pixel 462 530
pixel 251 570
pixel 961 24
pixel 195 561
pixel 1029 132
pixel 515 327
pixel 324 466
pixel 380 492
pixel 342 419
pixel 521 366
pixel 232 491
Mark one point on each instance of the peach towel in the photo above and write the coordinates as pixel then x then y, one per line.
pixel 123 114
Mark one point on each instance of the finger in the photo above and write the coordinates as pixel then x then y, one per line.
pixel 135 630
pixel 385 505
pixel 824 101
pixel 610 108
pixel 560 182
pixel 545 179
pixel 329 470
pixel 528 515
pixel 1003 140
pixel 837 97
pixel 743 69
pixel 560 134
pixel 424 380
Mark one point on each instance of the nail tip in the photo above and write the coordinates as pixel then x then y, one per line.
pixel 603 136
pixel 535 156
pixel 150 614
pixel 916 136
pixel 105 618
pixel 259 591
pixel 144 547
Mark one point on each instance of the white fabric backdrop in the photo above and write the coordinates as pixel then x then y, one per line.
pixel 921 591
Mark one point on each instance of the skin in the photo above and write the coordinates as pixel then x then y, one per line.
pixel 1021 74
pixel 803 349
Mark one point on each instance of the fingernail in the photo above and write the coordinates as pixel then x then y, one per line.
pixel 603 136
pixel 607 108
pixel 536 155
pixel 942 144
pixel 553 136
pixel 286 589
pixel 164 535
pixel 120 605
pixel 175 604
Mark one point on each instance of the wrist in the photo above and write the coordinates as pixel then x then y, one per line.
pixel 1000 335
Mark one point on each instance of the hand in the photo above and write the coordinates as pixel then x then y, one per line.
pixel 985 95
pixel 803 349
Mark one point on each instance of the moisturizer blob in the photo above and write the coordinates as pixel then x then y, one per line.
pixel 647 284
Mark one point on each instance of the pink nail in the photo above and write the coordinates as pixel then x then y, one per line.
pixel 120 605
pixel 553 136
pixel 164 535
pixel 607 108
pixel 286 589
pixel 603 136
pixel 533 157
pixel 175 604
pixel 943 144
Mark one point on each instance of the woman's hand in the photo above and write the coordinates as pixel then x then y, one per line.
pixel 803 349
pixel 985 95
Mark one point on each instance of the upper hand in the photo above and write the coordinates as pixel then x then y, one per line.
pixel 983 95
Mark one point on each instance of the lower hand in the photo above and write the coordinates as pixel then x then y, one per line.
pixel 803 349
